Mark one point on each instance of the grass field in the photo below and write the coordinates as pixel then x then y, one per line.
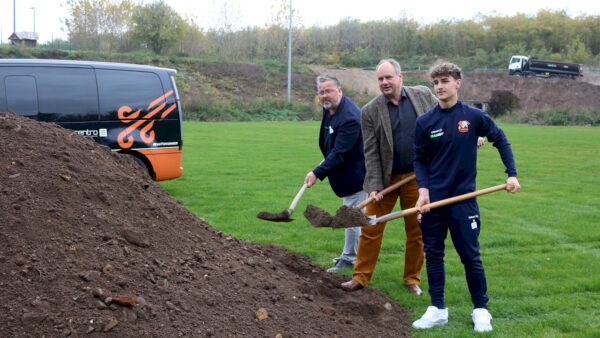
pixel 540 247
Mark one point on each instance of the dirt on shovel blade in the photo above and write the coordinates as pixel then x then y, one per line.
pixel 345 217
pixel 317 216
pixel 283 216
pixel 348 217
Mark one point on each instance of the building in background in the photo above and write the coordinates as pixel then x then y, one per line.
pixel 28 39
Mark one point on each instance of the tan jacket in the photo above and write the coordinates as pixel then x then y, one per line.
pixel 378 138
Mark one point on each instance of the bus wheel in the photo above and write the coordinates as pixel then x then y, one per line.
pixel 143 165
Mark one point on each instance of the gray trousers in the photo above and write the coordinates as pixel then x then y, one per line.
pixel 352 234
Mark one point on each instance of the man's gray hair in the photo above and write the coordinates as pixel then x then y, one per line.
pixel 325 78
pixel 393 63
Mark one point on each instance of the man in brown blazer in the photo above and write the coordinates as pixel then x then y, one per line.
pixel 388 126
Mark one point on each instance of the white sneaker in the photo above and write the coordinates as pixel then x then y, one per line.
pixel 482 320
pixel 432 317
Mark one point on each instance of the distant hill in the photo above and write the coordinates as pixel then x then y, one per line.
pixel 220 91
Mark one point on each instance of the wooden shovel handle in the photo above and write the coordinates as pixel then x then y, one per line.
pixel 437 204
pixel 386 190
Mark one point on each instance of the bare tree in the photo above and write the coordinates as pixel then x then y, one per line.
pixel 274 39
pixel 99 24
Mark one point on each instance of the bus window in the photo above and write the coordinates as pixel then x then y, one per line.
pixel 21 95
pixel 67 94
pixel 134 89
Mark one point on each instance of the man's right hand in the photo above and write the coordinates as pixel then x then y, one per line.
pixel 310 179
pixel 423 200
pixel 512 185
pixel 376 196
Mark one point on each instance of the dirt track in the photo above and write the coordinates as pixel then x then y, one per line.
pixel 92 247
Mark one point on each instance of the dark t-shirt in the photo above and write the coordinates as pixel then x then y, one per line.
pixel 403 118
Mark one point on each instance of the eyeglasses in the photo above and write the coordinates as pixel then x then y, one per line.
pixel 326 92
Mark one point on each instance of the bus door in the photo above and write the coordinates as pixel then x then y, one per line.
pixel 142 118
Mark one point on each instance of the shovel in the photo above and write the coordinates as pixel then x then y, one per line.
pixel 394 215
pixel 284 216
pixel 372 220
pixel 345 216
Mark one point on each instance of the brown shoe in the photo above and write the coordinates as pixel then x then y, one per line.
pixel 351 285
pixel 414 289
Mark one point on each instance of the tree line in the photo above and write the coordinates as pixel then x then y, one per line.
pixel 485 41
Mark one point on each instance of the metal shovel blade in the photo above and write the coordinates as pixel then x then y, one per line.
pixel 284 216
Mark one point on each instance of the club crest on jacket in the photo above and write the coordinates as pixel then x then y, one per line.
pixel 463 126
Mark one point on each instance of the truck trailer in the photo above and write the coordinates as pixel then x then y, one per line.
pixel 525 66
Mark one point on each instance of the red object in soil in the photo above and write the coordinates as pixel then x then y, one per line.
pixel 124 300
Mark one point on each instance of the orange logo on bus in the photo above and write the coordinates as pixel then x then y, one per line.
pixel 147 135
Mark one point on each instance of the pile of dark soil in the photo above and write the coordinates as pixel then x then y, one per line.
pixel 91 247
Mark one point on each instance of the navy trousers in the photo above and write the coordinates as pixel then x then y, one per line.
pixel 462 219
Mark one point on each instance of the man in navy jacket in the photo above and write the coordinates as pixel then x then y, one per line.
pixel 446 165
pixel 341 143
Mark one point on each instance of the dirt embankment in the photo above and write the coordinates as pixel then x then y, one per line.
pixel 533 94
pixel 92 247
pixel 223 81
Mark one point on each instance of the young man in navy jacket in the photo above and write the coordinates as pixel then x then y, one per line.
pixel 446 165
pixel 340 141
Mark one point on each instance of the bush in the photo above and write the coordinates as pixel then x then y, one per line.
pixel 362 57
pixel 502 102
pixel 15 52
pixel 256 110
pixel 562 118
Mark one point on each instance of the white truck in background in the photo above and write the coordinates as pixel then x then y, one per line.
pixel 525 66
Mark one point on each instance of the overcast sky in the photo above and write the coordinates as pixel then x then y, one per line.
pixel 48 13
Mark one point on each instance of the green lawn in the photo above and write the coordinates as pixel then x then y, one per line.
pixel 540 247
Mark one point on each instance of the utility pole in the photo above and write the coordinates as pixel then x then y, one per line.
pixel 33 8
pixel 14 16
pixel 289 84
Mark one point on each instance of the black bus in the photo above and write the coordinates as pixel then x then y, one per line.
pixel 133 109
